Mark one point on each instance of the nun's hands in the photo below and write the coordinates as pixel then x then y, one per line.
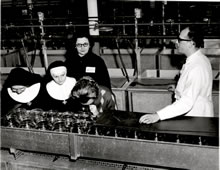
pixel 149 118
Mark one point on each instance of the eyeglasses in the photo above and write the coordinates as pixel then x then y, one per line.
pixel 78 45
pixel 180 39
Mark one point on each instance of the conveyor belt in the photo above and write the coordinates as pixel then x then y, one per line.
pixel 202 126
pixel 183 142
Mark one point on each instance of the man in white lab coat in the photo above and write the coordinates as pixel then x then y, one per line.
pixel 193 93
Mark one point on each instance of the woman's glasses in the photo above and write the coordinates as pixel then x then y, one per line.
pixel 78 45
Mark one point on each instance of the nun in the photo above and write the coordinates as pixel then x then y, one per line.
pixel 58 87
pixel 21 90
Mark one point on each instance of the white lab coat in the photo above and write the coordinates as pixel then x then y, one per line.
pixel 193 93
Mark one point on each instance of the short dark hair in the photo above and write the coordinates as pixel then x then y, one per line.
pixel 196 35
pixel 81 34
pixel 85 86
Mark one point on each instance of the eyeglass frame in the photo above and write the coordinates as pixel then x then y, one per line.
pixel 78 45
pixel 180 39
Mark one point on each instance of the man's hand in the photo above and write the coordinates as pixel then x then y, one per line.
pixel 149 118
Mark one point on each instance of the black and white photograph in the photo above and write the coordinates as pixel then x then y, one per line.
pixel 109 84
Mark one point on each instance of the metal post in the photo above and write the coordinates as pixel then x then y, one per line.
pixel 137 49
pixel 93 22
pixel 43 41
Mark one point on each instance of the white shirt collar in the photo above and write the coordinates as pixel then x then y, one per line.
pixel 193 57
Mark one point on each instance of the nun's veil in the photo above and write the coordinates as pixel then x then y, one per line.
pixel 20 76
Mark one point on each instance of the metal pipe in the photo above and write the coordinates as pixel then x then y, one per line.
pixel 47 38
pixel 119 24
pixel 30 68
pixel 122 62
pixel 137 49
pixel 44 47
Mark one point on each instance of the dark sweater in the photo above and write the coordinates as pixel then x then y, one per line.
pixel 89 65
